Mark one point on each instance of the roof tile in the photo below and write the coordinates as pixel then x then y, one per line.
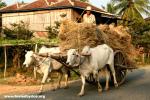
pixel 12 7
pixel 37 4
pixel 42 4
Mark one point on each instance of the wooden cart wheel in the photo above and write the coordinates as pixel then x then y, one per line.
pixel 120 66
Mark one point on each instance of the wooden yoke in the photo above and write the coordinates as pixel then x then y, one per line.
pixel 61 58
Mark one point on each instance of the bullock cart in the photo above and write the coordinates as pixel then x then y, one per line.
pixel 77 35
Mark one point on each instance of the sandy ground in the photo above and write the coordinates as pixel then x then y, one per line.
pixel 7 89
pixel 14 90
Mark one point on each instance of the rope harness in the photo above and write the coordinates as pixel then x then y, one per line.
pixel 38 66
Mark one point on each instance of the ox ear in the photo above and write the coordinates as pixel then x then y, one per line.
pixel 77 50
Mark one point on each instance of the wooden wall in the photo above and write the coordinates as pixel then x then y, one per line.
pixel 74 15
pixel 38 20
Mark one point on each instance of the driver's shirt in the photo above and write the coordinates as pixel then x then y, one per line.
pixel 89 18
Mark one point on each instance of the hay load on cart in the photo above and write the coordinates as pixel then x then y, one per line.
pixel 77 35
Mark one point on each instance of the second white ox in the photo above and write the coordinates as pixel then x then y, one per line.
pixel 44 65
pixel 91 61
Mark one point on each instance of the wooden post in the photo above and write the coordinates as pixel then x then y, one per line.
pixel 34 71
pixel 36 47
pixel 5 53
pixel 143 58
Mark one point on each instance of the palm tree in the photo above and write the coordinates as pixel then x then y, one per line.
pixel 132 9
pixel 110 7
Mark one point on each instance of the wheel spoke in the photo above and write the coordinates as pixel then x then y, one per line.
pixel 122 74
pixel 119 58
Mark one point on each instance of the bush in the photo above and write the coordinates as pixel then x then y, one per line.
pixel 53 30
pixel 18 31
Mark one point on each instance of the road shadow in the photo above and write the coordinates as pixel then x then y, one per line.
pixel 135 75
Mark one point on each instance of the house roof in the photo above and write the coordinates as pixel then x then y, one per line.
pixel 37 4
pixel 52 4
pixel 12 7
pixel 76 3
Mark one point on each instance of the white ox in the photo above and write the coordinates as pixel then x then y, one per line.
pixel 91 61
pixel 44 66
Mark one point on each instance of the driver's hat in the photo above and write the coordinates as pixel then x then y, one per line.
pixel 89 8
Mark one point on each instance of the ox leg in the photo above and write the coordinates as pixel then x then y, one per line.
pixel 98 83
pixel 107 79
pixel 59 80
pixel 34 73
pixel 43 81
pixel 66 81
pixel 83 85
pixel 96 76
pixel 114 75
pixel 41 88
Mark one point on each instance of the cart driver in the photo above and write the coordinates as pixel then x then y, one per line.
pixel 88 17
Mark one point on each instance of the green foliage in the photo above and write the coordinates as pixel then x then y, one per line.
pixel 2 4
pixel 141 34
pixel 4 42
pixel 139 27
pixel 84 0
pixel 18 31
pixel 53 30
pixel 131 9
pixel 111 8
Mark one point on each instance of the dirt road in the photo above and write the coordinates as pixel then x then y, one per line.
pixel 136 87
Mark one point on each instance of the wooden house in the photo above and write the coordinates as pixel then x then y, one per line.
pixel 43 13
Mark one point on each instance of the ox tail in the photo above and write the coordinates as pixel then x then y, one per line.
pixel 110 63
pixel 111 58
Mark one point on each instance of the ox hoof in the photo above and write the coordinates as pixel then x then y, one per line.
pixel 106 89
pixel 81 94
pixel 100 90
pixel 58 87
pixel 40 93
pixel 66 87
pixel 116 85
pixel 54 89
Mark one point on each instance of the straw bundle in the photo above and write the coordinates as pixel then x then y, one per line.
pixel 78 35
